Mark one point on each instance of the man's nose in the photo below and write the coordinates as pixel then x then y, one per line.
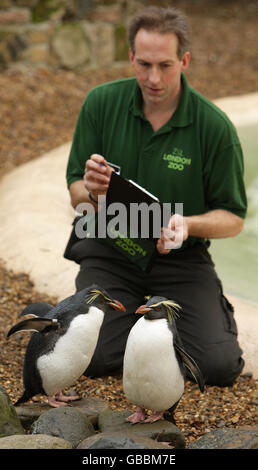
pixel 154 76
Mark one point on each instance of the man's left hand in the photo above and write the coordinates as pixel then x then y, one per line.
pixel 173 235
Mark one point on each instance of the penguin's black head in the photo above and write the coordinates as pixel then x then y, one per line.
pixel 100 298
pixel 159 307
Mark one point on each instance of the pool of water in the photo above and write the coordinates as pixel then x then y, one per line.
pixel 236 259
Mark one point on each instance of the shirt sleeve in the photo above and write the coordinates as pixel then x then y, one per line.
pixel 224 175
pixel 86 141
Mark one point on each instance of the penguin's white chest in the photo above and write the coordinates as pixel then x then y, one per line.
pixel 152 377
pixel 72 352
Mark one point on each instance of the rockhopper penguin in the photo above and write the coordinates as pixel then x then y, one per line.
pixel 64 342
pixel 155 361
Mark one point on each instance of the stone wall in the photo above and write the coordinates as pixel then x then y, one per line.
pixel 70 34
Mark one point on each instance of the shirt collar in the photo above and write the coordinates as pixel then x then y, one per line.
pixel 182 117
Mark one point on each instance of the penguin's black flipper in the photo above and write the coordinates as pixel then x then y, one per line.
pixel 35 324
pixel 191 366
pixel 37 309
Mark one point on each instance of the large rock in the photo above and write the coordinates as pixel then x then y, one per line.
pixel 245 437
pixel 116 440
pixel 65 422
pixel 9 421
pixel 89 406
pixel 162 430
pixel 39 441
pixel 101 37
pixel 71 46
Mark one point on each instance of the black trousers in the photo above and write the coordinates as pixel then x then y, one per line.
pixel 206 325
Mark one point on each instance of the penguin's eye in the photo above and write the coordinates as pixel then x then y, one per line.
pixel 158 309
pixel 102 301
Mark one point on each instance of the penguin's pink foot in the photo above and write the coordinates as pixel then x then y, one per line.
pixel 65 398
pixel 55 403
pixel 61 400
pixel 137 417
pixel 154 417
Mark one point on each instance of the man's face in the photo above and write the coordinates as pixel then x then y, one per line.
pixel 157 66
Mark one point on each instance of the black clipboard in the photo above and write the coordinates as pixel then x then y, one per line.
pixel 139 249
pixel 131 241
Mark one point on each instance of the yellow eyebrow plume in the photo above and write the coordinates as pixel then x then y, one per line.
pixel 171 307
pixel 94 293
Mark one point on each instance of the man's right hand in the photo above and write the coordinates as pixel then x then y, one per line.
pixel 97 175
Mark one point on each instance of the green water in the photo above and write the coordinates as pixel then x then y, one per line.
pixel 236 259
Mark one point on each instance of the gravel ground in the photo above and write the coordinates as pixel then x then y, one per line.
pixel 38 112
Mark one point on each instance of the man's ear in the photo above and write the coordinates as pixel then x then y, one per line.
pixel 131 56
pixel 185 61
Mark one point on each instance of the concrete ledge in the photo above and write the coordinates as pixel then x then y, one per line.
pixel 36 218
pixel 242 110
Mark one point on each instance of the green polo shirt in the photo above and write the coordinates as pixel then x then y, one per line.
pixel 195 158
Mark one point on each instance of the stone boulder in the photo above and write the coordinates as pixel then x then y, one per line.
pixel 164 431
pixel 116 440
pixel 39 441
pixel 244 437
pixel 9 421
pixel 64 422
pixel 71 46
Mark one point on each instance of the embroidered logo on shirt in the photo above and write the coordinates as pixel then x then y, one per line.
pixel 176 159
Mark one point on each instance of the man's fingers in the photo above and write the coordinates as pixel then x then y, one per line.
pixel 97 174
pixel 97 159
pixel 92 177
pixel 97 167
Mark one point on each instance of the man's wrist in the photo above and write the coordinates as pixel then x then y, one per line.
pixel 188 221
pixel 92 198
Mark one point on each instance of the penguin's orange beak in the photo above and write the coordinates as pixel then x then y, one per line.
pixel 116 305
pixel 143 309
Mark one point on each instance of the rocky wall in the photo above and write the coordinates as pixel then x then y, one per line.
pixel 70 34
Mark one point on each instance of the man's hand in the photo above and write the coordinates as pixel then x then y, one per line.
pixel 173 236
pixel 97 175
pixel 96 181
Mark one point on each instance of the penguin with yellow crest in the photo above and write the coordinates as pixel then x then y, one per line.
pixel 155 362
pixel 64 342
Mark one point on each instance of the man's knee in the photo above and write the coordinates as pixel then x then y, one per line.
pixel 221 363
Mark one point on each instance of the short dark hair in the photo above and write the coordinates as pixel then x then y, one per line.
pixel 161 20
